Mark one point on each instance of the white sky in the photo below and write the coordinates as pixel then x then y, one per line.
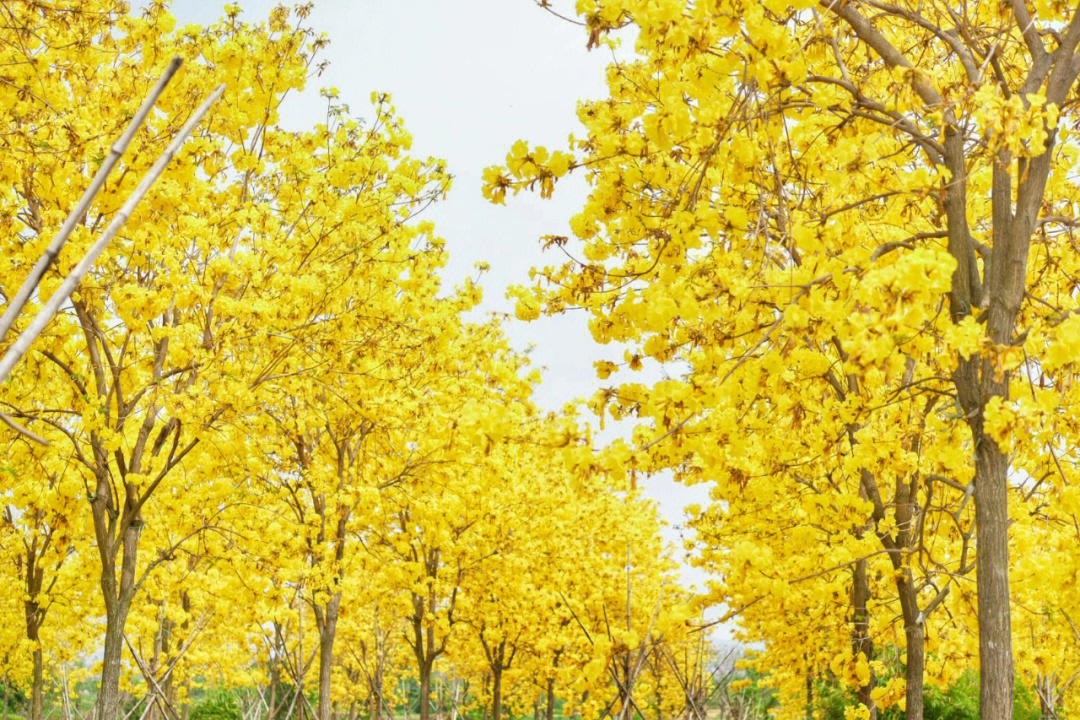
pixel 469 78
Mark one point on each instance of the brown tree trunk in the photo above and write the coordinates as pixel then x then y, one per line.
pixel 36 692
pixel 549 712
pixel 915 664
pixel 903 502
pixel 992 581
pixel 157 708
pixel 861 640
pixel 496 693
pixel 109 692
pixel 173 686
pixel 35 615
pixel 914 630
pixel 991 523
pixel 116 591
pixel 300 664
pixel 327 621
pixel 484 708
pixel 271 712
pixel 809 710
pixel 168 687
pixel 425 690
pixel 375 692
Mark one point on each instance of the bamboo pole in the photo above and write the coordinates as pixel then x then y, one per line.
pixel 22 345
pixel 15 306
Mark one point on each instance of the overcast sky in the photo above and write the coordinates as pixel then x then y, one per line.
pixel 470 78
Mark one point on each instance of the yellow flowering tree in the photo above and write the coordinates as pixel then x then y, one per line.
pixel 861 252
pixel 266 418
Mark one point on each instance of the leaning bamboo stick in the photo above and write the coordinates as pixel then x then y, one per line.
pixel 15 306
pixel 22 345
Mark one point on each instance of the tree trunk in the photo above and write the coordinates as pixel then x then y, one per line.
pixel 157 707
pixel 161 661
pixel 116 591
pixel 36 691
pixel 300 664
pixel 809 694
pixel 484 707
pixel 271 712
pixel 496 693
pixel 425 690
pixel 914 630
pixel 109 692
pixel 992 580
pixel 861 640
pixel 34 616
pixel 914 634
pixel 549 712
pixel 375 697
pixel 327 620
pixel 377 691
pixel 185 605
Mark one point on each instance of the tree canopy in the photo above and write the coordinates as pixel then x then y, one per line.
pixel 265 462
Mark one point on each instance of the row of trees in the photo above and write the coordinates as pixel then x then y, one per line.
pixel 850 226
pixel 278 457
